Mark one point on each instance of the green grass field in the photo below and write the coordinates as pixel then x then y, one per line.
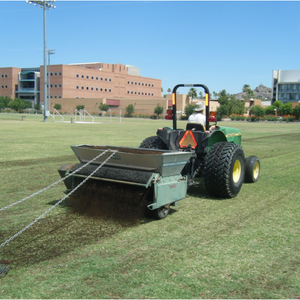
pixel 245 247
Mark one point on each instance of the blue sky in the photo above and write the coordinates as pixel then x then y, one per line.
pixel 223 44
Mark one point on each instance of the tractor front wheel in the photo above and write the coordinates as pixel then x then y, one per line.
pixel 252 169
pixel 224 169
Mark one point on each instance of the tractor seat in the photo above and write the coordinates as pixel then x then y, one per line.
pixel 195 126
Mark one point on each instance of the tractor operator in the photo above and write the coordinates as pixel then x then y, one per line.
pixel 198 116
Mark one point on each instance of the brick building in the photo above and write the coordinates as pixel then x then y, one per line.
pixel 9 82
pixel 88 84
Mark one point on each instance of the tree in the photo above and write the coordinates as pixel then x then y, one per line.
pixel 4 102
pixel 257 110
pixel 189 109
pixel 192 93
pixel 236 106
pixel 19 104
pixel 57 106
pixel 248 91
pixel 169 90
pixel 129 110
pixel 223 97
pixel 278 105
pixel 158 110
pixel 222 111
pixel 79 107
pixel 270 110
pixel 104 107
pixel 215 95
pixel 297 112
pixel 287 109
pixel 37 106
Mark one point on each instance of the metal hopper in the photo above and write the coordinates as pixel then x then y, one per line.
pixel 164 162
pixel 159 171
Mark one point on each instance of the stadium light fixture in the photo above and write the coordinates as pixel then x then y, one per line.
pixel 46 5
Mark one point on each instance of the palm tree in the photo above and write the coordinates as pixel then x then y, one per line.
pixel 192 93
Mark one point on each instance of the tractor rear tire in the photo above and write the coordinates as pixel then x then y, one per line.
pixel 153 142
pixel 252 169
pixel 224 169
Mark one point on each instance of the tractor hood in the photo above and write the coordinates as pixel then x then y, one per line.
pixel 232 134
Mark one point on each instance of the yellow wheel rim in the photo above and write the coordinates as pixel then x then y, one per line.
pixel 237 170
pixel 256 170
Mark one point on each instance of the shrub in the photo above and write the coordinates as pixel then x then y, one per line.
pixel 253 119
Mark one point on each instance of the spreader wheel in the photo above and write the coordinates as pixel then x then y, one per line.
pixel 160 213
pixel 252 169
pixel 224 169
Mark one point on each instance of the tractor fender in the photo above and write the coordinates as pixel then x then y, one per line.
pixel 216 137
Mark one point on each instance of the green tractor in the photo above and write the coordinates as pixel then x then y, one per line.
pixel 217 156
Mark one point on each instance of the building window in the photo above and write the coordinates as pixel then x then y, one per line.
pixel 105 79
pixel 128 92
pixel 96 89
pixel 77 75
pixel 109 90
pixel 96 78
pixel 51 74
pixel 92 77
pixel 82 76
pixel 59 73
pixel 101 89
pixel 82 87
pixel 128 82
pixel 109 79
pixel 87 76
pixel 77 87
pixel 105 90
pixel 59 96
pixel 101 78
pixel 92 88
pixel 59 85
pixel 55 85
pixel 87 88
pixel 55 74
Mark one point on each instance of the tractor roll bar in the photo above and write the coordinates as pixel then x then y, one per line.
pixel 206 101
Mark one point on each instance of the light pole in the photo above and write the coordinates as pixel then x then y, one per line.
pixel 45 5
pixel 49 51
